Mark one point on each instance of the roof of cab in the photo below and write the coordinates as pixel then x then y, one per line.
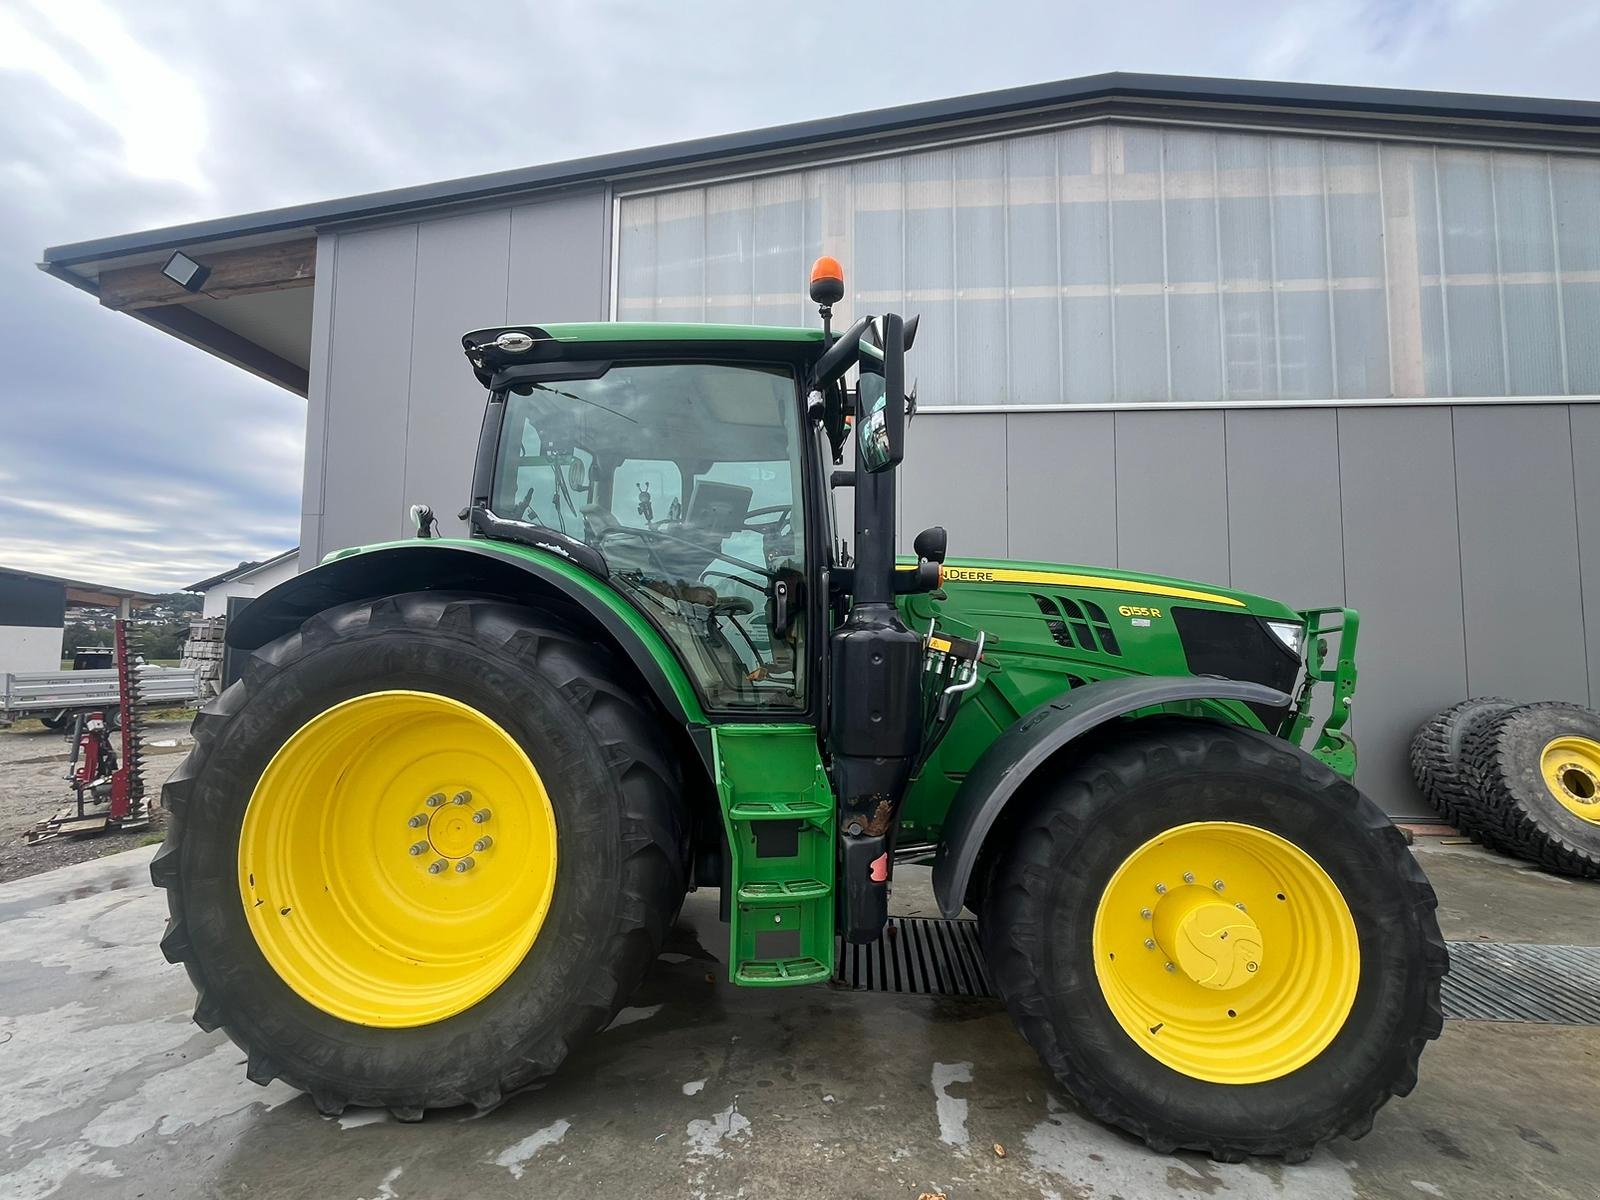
pixel 556 342
pixel 661 331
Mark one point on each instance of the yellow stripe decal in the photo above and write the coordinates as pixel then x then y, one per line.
pixel 1062 579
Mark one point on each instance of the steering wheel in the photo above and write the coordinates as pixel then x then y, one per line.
pixel 782 520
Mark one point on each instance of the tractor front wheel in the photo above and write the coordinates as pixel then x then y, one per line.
pixel 1216 943
pixel 422 848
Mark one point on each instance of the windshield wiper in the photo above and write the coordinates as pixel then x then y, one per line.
pixel 584 400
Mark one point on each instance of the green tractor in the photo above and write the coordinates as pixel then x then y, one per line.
pixel 438 829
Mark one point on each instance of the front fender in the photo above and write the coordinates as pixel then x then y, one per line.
pixel 1019 751
pixel 522 574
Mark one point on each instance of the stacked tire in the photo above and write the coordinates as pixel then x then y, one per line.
pixel 1523 779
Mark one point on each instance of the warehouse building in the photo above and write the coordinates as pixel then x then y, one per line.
pixel 1332 344
pixel 33 615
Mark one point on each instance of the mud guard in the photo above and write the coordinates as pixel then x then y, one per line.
pixel 437 564
pixel 1018 752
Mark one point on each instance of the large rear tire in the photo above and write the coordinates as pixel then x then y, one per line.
pixel 1216 943
pixel 303 875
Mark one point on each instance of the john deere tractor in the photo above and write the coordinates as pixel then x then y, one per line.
pixel 436 832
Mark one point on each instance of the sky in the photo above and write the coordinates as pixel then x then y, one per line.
pixel 129 458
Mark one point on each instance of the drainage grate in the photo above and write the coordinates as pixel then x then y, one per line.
pixel 918 954
pixel 1505 981
pixel 1488 981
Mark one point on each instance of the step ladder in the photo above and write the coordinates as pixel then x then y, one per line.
pixel 779 815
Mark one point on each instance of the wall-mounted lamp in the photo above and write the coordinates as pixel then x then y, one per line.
pixel 185 272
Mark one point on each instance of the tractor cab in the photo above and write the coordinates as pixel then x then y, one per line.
pixel 691 468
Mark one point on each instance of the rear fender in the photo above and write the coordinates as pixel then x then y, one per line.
pixel 520 574
pixel 1017 753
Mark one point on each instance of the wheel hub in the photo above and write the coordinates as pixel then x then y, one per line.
pixel 452 831
pixel 1571 770
pixel 1210 940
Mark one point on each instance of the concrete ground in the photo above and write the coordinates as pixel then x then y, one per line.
pixel 700 1089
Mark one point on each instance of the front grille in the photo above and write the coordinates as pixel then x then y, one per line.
pixel 1233 645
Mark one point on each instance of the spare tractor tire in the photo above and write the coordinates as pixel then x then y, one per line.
pixel 1537 770
pixel 1438 757
pixel 1215 942
pixel 422 848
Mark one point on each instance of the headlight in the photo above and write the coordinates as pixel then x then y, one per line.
pixel 1291 634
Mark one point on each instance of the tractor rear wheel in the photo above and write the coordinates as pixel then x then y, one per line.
pixel 421 849
pixel 1216 943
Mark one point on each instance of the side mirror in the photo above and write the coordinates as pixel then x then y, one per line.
pixel 881 398
pixel 930 543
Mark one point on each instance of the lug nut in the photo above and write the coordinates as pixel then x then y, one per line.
pixel 436 866
pixel 1145 913
pixel 418 821
pixel 435 800
pixel 1149 943
pixel 418 849
pixel 1170 967
pixel 1188 876
pixel 462 798
pixel 482 844
pixel 1161 889
pixel 1217 883
pixel 464 866
pixel 1240 906
pixel 479 817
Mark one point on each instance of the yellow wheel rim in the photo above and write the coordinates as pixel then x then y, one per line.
pixel 1226 953
pixel 397 859
pixel 1571 770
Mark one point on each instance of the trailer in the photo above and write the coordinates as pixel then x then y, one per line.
pixel 57 697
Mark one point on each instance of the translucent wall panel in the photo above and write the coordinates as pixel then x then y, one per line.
pixel 1135 263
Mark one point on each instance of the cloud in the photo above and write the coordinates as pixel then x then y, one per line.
pixel 128 456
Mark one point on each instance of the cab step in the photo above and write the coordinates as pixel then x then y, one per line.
pixel 779 817
pixel 783 891
pixel 781 972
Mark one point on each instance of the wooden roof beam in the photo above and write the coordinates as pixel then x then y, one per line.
pixel 270 268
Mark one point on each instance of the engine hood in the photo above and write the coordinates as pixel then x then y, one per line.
pixel 1116 589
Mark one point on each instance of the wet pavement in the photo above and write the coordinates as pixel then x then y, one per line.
pixel 699 1089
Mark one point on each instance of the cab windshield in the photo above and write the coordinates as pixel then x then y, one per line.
pixel 686 478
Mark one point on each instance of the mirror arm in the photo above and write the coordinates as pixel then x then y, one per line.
pixel 838 358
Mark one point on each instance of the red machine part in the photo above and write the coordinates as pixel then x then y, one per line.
pixel 127 786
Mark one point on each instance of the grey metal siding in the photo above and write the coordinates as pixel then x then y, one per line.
pixel 959 481
pixel 393 412
pixel 1061 481
pixel 369 378
pixel 1520 583
pixel 1285 529
pixel 1172 498
pixel 1585 423
pixel 463 265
